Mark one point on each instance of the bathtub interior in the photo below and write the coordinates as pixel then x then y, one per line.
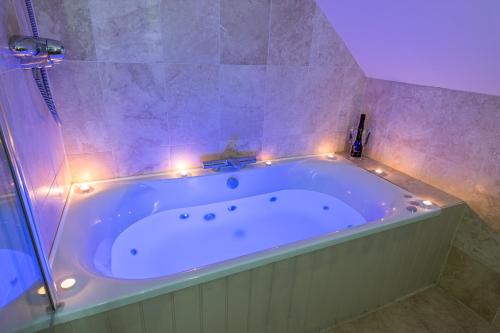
pixel 107 219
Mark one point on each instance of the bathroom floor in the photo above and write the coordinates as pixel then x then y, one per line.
pixel 429 311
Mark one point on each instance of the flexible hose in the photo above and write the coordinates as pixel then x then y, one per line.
pixel 40 74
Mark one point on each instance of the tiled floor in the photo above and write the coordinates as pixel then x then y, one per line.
pixel 429 311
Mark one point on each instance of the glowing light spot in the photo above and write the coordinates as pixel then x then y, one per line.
pixel 41 291
pixel 85 188
pixel 331 156
pixel 184 216
pixel 184 173
pixel 269 163
pixel 68 283
pixel 379 171
pixel 427 203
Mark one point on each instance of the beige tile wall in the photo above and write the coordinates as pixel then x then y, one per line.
pixel 301 294
pixel 448 139
pixel 149 86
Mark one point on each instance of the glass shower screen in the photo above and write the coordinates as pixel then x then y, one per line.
pixel 23 299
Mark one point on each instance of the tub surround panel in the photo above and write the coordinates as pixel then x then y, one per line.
pixel 306 293
pixel 36 137
pixel 253 75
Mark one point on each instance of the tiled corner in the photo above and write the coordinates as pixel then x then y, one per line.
pixel 477 239
pixel 473 283
pixel 92 166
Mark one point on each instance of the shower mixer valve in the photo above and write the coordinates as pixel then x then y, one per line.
pixel 35 52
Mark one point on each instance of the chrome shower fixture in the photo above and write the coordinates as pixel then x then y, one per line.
pixel 35 52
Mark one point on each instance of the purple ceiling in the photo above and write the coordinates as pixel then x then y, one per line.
pixel 442 43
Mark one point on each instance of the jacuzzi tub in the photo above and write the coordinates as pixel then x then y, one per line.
pixel 131 239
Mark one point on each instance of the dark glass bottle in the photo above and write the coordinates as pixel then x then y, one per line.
pixel 357 145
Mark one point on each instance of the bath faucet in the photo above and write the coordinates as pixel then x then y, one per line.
pixel 231 163
pixel 35 52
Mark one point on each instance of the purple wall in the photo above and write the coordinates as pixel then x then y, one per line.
pixel 37 138
pixel 447 43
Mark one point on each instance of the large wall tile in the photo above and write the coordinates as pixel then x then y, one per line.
pixel 68 21
pixel 244 31
pixel 127 30
pixel 136 114
pixel 242 93
pixel 192 94
pixel 190 31
pixel 291 32
pixel 286 102
pixel 79 98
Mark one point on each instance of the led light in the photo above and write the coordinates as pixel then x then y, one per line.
pixel 41 291
pixel 330 156
pixel 84 188
pixel 68 283
pixel 379 171
pixel 184 173
pixel 427 203
pixel 269 163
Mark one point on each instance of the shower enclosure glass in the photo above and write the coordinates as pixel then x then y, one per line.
pixel 23 298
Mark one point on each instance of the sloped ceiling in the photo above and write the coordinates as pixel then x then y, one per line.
pixel 441 43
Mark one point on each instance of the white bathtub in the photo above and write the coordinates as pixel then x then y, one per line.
pixel 132 239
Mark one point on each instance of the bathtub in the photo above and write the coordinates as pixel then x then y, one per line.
pixel 132 239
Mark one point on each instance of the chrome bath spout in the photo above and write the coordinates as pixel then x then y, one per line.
pixel 232 163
